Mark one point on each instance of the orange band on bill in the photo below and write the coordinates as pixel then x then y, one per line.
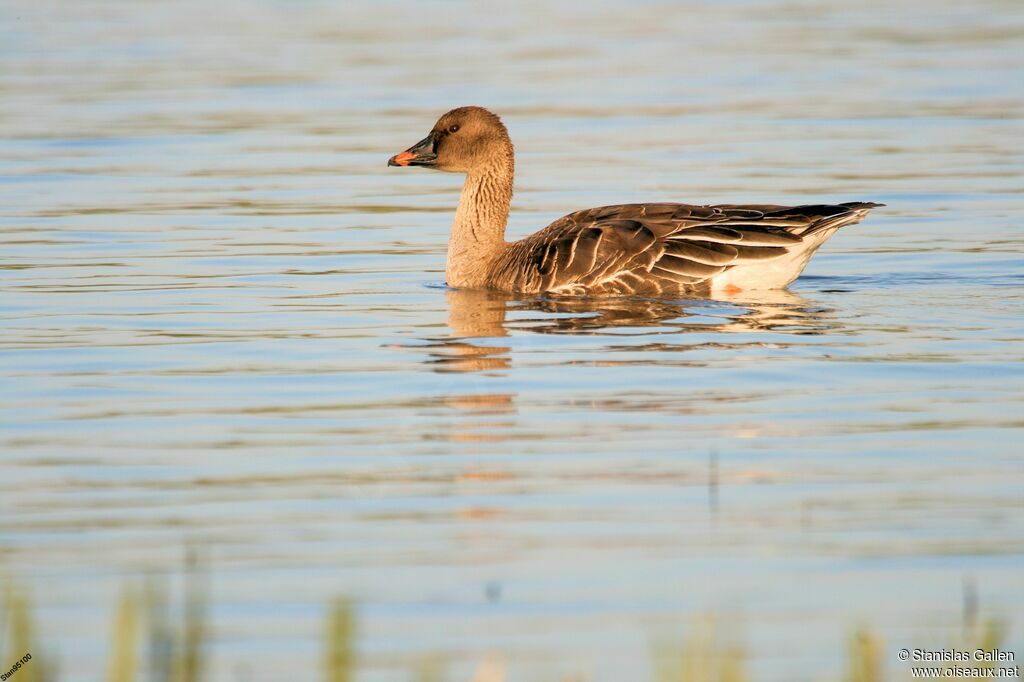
pixel 404 158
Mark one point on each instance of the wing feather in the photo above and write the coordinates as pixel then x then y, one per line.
pixel 685 266
pixel 708 253
pixel 633 247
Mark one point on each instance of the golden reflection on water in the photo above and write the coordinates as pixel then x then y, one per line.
pixel 476 314
pixel 472 315
pixel 478 321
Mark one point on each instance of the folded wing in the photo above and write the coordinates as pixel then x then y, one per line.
pixel 634 247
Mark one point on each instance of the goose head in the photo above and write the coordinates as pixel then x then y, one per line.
pixel 462 140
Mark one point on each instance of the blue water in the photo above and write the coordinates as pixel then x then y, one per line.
pixel 224 327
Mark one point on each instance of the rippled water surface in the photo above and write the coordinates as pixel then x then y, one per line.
pixel 225 326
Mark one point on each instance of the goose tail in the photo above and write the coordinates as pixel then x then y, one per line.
pixel 781 271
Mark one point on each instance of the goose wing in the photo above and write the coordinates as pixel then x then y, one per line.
pixel 630 245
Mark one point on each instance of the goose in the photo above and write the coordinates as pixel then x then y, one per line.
pixel 655 248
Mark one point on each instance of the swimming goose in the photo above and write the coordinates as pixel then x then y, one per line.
pixel 623 249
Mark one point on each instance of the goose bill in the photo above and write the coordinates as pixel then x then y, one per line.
pixel 420 154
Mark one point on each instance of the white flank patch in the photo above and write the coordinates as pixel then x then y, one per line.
pixel 770 274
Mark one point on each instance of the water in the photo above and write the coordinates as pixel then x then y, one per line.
pixel 224 326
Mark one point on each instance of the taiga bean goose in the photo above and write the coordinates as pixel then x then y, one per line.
pixel 628 248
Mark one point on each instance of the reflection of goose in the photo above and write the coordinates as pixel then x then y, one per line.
pixel 775 310
pixel 475 313
pixel 472 315
pixel 631 248
pixel 478 314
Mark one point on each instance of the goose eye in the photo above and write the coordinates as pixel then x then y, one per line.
pixel 453 128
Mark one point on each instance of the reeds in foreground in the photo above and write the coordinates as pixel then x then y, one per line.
pixel 18 630
pixel 339 644
pixel 706 655
pixel 123 664
pixel 146 644
pixel 864 657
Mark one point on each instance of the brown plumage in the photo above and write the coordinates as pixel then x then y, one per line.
pixel 621 249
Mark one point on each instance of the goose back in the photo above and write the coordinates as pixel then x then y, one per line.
pixel 666 248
